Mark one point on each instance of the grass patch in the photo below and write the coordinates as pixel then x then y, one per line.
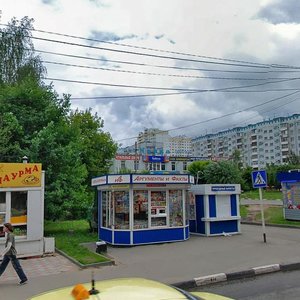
pixel 268 195
pixel 243 211
pixel 274 215
pixel 68 237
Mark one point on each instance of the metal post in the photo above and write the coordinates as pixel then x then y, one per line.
pixel 135 159
pixel 262 215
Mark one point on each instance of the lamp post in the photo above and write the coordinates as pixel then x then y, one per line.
pixel 25 159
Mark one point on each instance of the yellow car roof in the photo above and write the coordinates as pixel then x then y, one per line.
pixel 124 289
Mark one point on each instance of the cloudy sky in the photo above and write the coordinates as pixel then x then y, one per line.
pixel 189 66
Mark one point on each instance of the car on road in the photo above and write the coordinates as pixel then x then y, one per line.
pixel 125 289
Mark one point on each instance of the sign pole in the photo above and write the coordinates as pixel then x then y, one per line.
pixel 259 180
pixel 262 215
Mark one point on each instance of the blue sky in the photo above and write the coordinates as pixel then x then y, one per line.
pixel 241 34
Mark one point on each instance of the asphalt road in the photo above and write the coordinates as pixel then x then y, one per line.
pixel 275 286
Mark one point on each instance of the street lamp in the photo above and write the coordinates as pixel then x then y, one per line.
pixel 25 159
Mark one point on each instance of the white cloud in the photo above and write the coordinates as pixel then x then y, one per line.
pixel 225 29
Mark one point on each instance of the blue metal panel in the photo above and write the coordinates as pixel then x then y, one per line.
pixel 233 205
pixel 105 235
pixel 200 225
pixel 158 235
pixel 187 232
pixel 122 237
pixel 99 196
pixel 223 226
pixel 288 176
pixel 212 206
pixel 192 225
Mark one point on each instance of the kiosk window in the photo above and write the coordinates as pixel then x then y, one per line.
pixel 158 208
pixel 175 208
pixel 121 204
pixel 104 214
pixel 19 212
pixel 140 205
pixel 2 212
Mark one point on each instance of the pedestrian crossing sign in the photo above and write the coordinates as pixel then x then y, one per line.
pixel 259 179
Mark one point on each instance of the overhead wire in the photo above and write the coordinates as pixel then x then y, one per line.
pixel 155 74
pixel 165 88
pixel 222 116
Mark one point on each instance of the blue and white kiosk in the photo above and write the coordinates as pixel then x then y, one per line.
pixel 214 209
pixel 142 209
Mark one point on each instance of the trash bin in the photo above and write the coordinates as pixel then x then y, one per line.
pixel 101 246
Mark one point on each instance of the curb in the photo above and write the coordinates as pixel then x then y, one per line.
pixel 222 277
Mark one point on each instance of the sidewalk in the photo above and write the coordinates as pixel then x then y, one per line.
pixel 175 262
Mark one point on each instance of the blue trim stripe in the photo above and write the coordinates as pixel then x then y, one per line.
pixel 233 205
pixel 212 206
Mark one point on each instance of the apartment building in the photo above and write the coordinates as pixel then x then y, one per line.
pixel 158 142
pixel 260 144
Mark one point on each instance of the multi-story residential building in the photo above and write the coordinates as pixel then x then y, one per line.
pixel 260 144
pixel 158 142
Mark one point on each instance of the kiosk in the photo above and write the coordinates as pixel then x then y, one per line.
pixel 290 182
pixel 214 209
pixel 22 204
pixel 142 209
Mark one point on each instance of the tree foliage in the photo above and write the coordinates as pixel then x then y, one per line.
pixel 222 172
pixel 36 122
pixel 196 169
pixel 17 57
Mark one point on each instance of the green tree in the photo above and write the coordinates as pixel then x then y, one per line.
pixel 196 169
pixel 222 172
pixel 98 148
pixel 236 158
pixel 17 57
pixel 294 159
pixel 10 135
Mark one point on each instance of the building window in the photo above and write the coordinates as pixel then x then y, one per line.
pixel 123 164
pixel 2 212
pixel 173 165
pixel 140 204
pixel 175 208
pixel 121 204
pixel 184 166
pixel 19 212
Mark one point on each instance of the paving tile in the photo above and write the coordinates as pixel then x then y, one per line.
pixel 40 266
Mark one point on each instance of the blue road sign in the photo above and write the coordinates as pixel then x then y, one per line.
pixel 259 179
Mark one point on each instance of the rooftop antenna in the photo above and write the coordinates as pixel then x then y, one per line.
pixel 93 291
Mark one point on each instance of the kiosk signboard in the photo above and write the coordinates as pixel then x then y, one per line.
pixel 20 175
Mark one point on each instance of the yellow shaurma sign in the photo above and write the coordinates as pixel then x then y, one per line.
pixel 20 175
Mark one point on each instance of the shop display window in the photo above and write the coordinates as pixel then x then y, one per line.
pixel 140 206
pixel 104 214
pixel 291 195
pixel 121 204
pixel 175 208
pixel 18 217
pixel 191 210
pixel 158 208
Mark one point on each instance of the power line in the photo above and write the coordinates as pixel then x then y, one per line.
pixel 179 93
pixel 223 116
pixel 143 48
pixel 156 66
pixel 166 88
pixel 265 66
pixel 155 74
